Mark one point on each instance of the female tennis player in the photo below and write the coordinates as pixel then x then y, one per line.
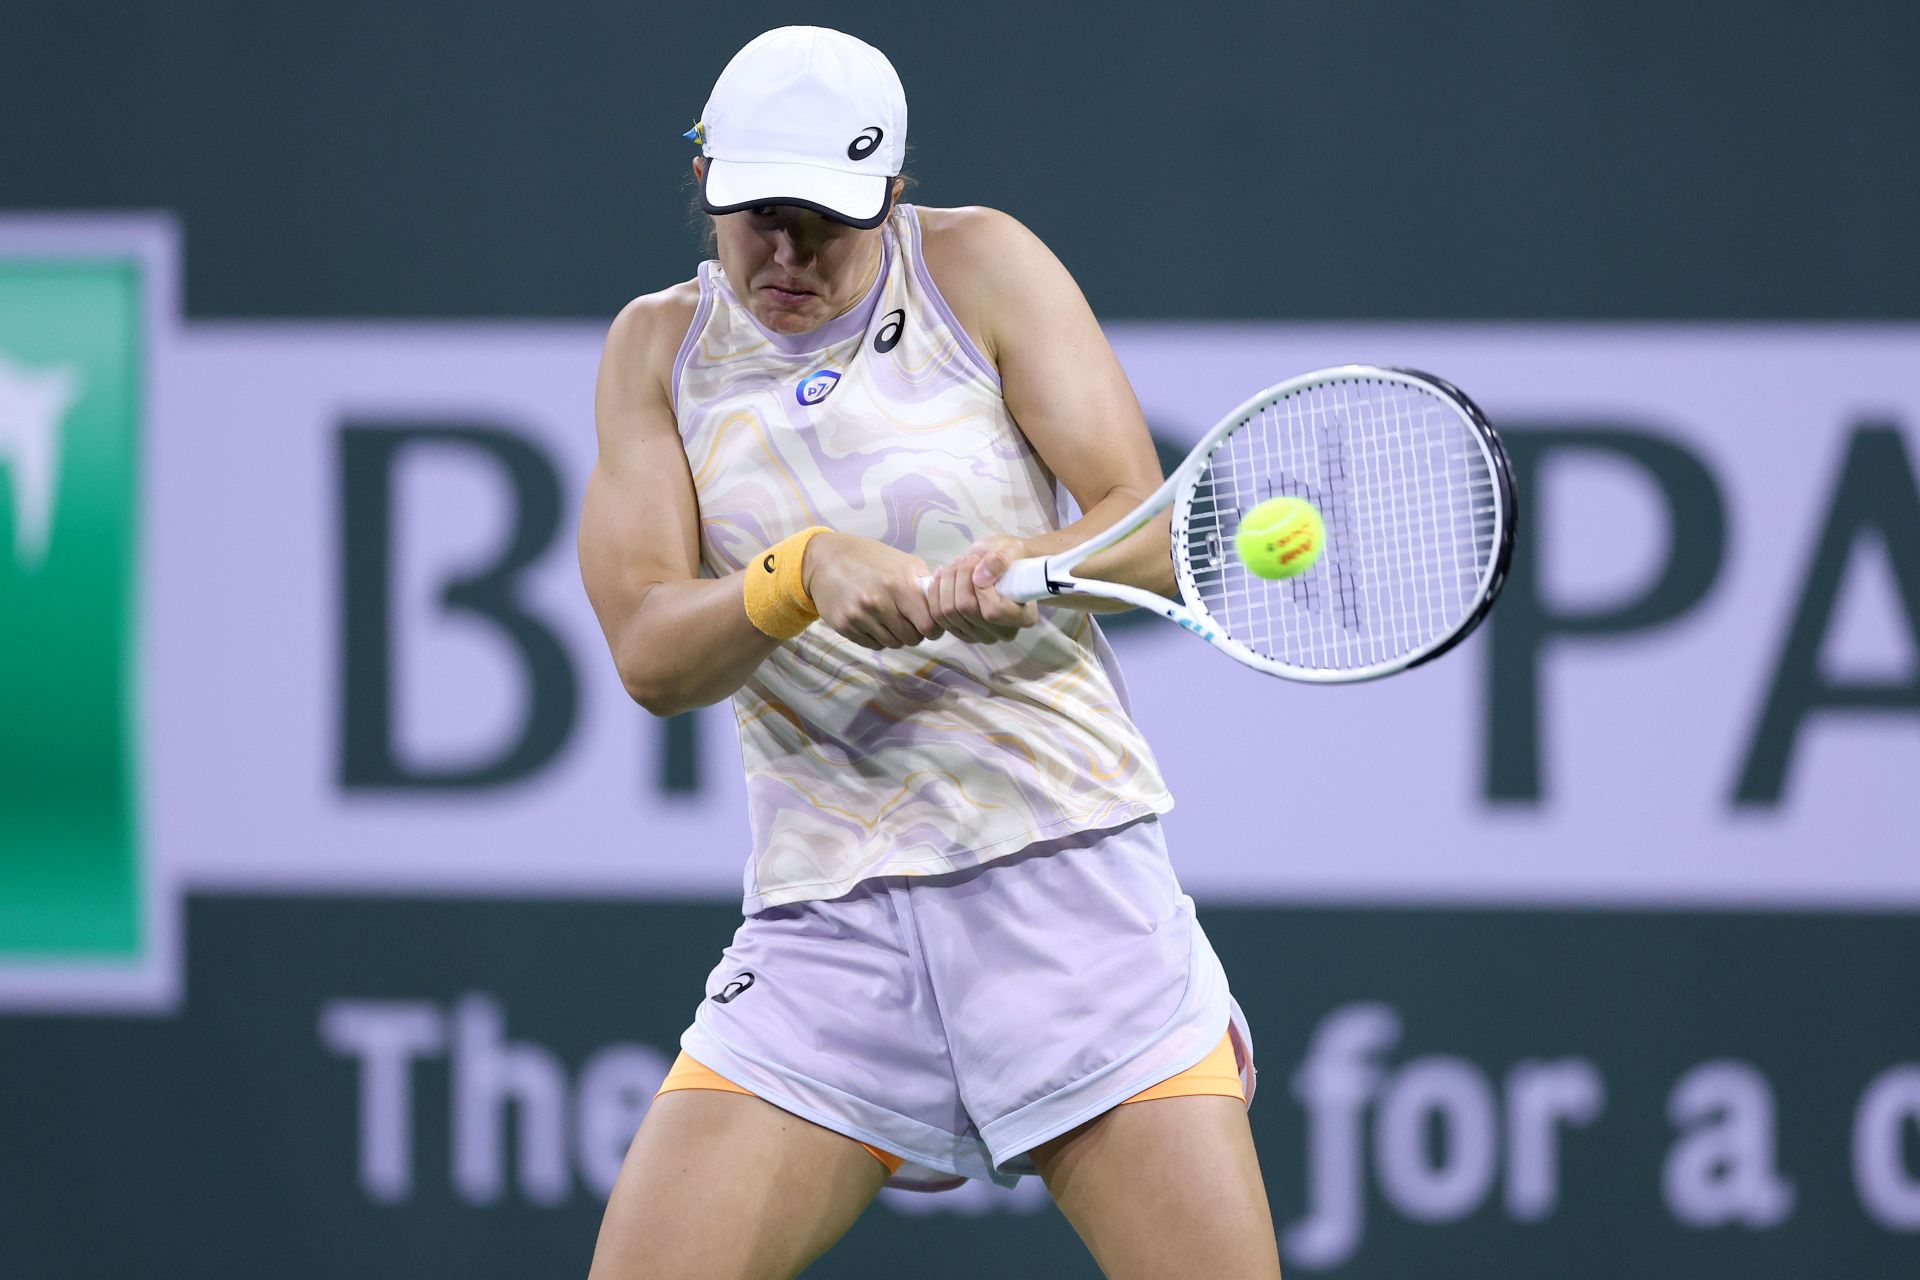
pixel 964 954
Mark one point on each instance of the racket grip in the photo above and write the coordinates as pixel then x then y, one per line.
pixel 1024 580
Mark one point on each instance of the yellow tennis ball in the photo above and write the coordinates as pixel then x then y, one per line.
pixel 1280 538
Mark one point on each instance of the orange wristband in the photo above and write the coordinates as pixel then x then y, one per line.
pixel 776 595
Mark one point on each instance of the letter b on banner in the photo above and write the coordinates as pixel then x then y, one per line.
pixel 370 455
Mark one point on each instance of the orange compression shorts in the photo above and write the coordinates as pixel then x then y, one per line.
pixel 1216 1074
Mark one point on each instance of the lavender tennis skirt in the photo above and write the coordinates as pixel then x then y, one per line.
pixel 961 1020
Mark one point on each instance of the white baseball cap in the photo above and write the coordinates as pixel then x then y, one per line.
pixel 805 116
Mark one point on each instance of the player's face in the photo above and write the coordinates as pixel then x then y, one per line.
pixel 795 269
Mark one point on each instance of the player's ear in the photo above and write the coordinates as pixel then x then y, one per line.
pixel 699 168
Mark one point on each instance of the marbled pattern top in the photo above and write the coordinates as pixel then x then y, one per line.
pixel 888 422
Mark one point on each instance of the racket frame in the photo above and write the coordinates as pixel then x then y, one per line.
pixel 1039 577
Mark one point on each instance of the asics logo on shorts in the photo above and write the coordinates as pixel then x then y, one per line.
pixel 740 983
pixel 862 146
pixel 814 387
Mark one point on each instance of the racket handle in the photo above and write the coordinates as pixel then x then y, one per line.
pixel 1024 580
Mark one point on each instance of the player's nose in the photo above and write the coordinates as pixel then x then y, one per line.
pixel 790 249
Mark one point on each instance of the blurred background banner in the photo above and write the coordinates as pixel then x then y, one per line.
pixel 368 662
pixel 366 668
pixel 349 912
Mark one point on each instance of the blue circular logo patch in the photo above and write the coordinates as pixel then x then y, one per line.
pixel 814 387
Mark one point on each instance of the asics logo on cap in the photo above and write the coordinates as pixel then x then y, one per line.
pixel 863 146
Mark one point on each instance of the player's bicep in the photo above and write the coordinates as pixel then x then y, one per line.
pixel 1061 379
pixel 639 522
pixel 638 525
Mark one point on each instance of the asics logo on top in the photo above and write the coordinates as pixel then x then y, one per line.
pixel 33 405
pixel 863 146
pixel 891 326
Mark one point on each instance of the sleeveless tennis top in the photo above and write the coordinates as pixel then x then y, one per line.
pixel 887 422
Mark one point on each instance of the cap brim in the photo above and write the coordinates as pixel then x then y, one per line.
pixel 858 199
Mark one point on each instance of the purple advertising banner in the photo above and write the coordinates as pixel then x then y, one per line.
pixel 1701 687
pixel 1644 721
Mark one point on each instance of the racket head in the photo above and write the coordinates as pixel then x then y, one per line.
pixel 1417 496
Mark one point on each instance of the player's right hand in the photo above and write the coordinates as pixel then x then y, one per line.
pixel 868 591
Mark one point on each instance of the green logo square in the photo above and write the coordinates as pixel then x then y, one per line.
pixel 71 873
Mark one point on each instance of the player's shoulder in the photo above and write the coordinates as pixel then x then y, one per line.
pixel 644 340
pixel 991 269
pixel 973 225
pixel 976 241
pixel 657 319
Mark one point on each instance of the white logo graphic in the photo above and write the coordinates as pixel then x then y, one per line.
pixel 33 404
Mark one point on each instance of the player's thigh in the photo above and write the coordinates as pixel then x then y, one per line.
pixel 1162 1188
pixel 724 1186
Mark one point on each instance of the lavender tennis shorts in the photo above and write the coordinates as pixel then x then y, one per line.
pixel 960 1020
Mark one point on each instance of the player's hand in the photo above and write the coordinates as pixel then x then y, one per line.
pixel 964 599
pixel 868 591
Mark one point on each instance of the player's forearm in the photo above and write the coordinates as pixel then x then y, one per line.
pixel 689 645
pixel 1139 560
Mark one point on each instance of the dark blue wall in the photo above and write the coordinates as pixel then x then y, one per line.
pixel 1322 158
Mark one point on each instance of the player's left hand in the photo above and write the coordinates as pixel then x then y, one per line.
pixel 963 599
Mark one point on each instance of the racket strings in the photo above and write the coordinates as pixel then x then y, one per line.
pixel 1411 510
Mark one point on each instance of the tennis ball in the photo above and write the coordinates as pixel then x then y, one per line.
pixel 1280 538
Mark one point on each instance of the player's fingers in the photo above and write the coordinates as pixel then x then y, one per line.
pixel 889 611
pixel 996 608
pixel 993 562
pixel 998 617
pixel 859 635
pixel 933 592
pixel 968 624
pixel 871 630
pixel 1003 630
pixel 918 613
pixel 955 618
pixel 941 599
pixel 892 630
pixel 866 623
pixel 940 596
pixel 1002 612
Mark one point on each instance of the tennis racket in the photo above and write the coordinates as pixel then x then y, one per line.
pixel 1418 502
